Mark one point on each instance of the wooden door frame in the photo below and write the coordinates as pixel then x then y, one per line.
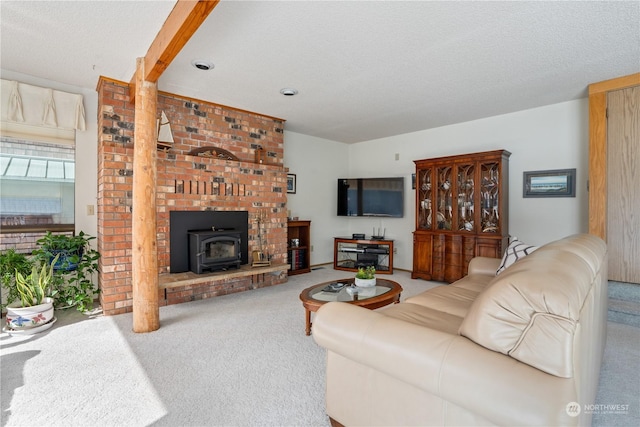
pixel 598 149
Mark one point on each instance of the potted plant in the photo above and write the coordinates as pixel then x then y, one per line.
pixel 73 278
pixel 70 248
pixel 366 277
pixel 34 307
pixel 10 262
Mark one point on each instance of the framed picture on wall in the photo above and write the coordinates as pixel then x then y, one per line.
pixel 550 183
pixel 291 183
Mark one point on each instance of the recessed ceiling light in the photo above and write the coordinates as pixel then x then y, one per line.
pixel 288 91
pixel 201 64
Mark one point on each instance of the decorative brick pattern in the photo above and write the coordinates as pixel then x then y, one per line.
pixel 186 182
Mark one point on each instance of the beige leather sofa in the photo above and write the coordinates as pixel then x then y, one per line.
pixel 520 348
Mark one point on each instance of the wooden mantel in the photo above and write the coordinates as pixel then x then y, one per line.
pixel 188 278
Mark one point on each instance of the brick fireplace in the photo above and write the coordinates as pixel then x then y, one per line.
pixel 191 176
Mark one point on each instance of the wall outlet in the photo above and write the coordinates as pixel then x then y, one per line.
pixel 395 250
pixel 311 248
pixel 91 210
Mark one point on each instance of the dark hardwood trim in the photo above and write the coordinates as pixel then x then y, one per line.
pixel 6 229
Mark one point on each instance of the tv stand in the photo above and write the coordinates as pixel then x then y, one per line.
pixel 349 254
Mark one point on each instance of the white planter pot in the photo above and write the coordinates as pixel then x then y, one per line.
pixel 21 318
pixel 367 292
pixel 365 283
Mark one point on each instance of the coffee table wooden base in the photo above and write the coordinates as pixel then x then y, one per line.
pixel 312 305
pixel 307 328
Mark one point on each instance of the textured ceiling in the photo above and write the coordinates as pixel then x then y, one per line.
pixel 364 70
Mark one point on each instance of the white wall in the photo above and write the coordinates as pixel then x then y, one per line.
pixel 86 150
pixel 317 163
pixel 551 137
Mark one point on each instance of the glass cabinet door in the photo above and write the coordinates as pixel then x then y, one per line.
pixel 444 212
pixel 465 205
pixel 489 197
pixel 424 199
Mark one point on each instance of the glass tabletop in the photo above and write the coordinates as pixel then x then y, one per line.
pixel 340 291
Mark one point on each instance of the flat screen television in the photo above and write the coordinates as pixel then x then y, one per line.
pixel 383 197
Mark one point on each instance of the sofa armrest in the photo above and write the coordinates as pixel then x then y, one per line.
pixel 484 265
pixel 449 366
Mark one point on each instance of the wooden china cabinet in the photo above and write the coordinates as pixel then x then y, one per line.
pixel 461 212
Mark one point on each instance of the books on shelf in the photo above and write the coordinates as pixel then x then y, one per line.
pixel 297 258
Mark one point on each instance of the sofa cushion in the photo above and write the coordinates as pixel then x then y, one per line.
pixel 424 316
pixel 448 299
pixel 484 265
pixel 530 311
pixel 442 308
pixel 515 251
pixel 473 282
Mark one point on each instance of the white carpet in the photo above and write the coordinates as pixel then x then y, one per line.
pixel 240 360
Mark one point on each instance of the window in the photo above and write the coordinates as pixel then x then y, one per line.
pixel 37 185
pixel 37 157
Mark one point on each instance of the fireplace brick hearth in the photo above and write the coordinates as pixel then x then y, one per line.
pixel 186 182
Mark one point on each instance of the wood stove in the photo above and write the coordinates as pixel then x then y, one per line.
pixel 213 250
pixel 182 222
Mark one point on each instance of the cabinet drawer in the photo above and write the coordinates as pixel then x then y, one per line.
pixel 453 245
pixel 438 243
pixel 438 272
pixel 469 245
pixel 453 258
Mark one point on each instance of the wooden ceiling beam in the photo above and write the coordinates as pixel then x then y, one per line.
pixel 183 21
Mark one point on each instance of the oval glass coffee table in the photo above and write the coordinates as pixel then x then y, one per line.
pixel 384 293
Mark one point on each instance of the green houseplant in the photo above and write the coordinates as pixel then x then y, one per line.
pixel 10 262
pixel 36 286
pixel 70 248
pixel 366 277
pixel 75 269
pixel 34 307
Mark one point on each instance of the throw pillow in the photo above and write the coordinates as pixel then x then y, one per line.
pixel 515 251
